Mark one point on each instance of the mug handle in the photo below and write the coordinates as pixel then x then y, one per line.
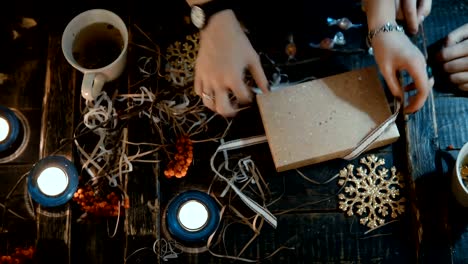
pixel 92 85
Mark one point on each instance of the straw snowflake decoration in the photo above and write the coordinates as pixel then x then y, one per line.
pixel 372 193
pixel 181 61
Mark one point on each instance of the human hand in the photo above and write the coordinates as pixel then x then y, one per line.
pixel 224 54
pixel 413 12
pixel 454 57
pixel 394 52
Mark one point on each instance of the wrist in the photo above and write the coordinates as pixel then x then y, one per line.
pixel 197 2
pixel 378 23
pixel 380 12
pixel 202 14
pixel 221 21
pixel 386 28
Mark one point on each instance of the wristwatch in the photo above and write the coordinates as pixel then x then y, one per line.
pixel 200 14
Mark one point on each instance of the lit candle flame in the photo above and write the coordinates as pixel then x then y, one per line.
pixel 4 129
pixel 52 181
pixel 193 215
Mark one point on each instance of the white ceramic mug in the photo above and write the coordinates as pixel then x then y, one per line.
pixel 459 188
pixel 94 78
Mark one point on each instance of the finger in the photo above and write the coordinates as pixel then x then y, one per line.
pixel 209 100
pixel 457 65
pixel 410 87
pixel 392 82
pixel 255 68
pixel 419 75
pixel 224 105
pixel 463 87
pixel 457 35
pixel 459 77
pixel 454 51
pixel 243 95
pixel 424 9
pixel 411 16
pixel 399 12
pixel 198 85
pixel 413 99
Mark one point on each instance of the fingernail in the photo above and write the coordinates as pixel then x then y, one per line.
pixel 421 19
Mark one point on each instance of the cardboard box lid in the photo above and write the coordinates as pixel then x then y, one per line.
pixel 325 118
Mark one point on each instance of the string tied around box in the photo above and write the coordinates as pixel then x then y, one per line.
pixel 370 138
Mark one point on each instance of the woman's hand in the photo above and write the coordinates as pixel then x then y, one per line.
pixel 413 12
pixel 224 54
pixel 394 52
pixel 454 57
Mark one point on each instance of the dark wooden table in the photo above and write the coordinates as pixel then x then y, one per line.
pixel 435 135
pixel 45 89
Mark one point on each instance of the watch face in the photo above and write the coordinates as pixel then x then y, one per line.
pixel 198 16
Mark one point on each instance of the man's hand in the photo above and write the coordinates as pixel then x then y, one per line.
pixel 454 57
pixel 225 52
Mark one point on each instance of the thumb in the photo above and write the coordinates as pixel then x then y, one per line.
pixel 255 68
pixel 457 35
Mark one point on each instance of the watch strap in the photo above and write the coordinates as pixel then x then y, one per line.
pixel 214 6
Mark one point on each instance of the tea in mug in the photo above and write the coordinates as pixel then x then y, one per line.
pixel 464 170
pixel 97 45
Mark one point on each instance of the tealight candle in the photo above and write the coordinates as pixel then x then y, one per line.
pixel 52 181
pixel 4 129
pixel 9 128
pixel 192 216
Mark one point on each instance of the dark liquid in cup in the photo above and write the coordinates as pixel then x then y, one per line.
pixel 97 45
pixel 464 168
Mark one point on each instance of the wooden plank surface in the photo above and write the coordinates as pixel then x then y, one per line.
pixel 21 88
pixel 142 219
pixel 58 122
pixel 318 231
pixel 315 227
pixel 440 124
pixel 58 232
pixel 315 232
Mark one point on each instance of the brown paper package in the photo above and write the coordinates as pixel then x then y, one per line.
pixel 324 119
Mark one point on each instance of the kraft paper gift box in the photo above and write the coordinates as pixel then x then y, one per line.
pixel 324 119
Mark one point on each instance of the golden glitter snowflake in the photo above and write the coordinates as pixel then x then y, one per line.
pixel 181 61
pixel 371 194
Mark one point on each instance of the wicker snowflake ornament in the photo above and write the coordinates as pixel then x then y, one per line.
pixel 371 193
pixel 181 61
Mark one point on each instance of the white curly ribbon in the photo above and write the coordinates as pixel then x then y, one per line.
pixel 145 96
pixel 100 117
pixel 254 206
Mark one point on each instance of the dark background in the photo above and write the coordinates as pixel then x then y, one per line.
pixel 432 231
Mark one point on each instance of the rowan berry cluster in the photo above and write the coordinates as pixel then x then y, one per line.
pixel 179 165
pixel 99 205
pixel 20 256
